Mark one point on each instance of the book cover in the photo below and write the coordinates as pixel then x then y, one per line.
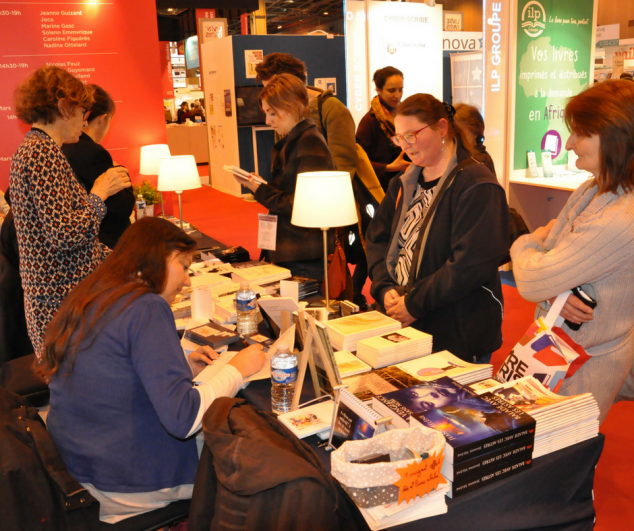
pixel 362 322
pixel 380 381
pixel 349 426
pixel 349 365
pixel 213 335
pixel 309 420
pixel 422 396
pixel 474 425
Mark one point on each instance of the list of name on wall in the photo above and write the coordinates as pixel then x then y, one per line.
pixel 112 43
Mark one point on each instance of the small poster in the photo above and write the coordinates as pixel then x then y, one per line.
pixel 213 137
pixel 326 83
pixel 251 59
pixel 228 107
pixel 452 20
pixel 221 137
pixel 210 105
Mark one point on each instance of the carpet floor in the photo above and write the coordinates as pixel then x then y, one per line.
pixel 234 221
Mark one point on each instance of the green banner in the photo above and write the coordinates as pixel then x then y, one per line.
pixel 554 56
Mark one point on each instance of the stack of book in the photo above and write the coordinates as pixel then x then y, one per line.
pixel 487 438
pixel 307 286
pixel 388 349
pixel 262 274
pixel 561 420
pixel 209 280
pixel 349 365
pixel 212 335
pixel 346 332
pixel 411 373
pixel 225 309
pixel 232 255
pixel 444 363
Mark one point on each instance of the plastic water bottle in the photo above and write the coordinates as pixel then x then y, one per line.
pixel 140 207
pixel 246 310
pixel 283 379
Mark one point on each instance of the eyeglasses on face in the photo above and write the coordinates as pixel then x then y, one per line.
pixel 410 138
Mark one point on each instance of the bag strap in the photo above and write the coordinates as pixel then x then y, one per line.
pixel 553 314
pixel 430 214
pixel 320 104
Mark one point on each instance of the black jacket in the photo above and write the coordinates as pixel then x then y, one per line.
pixel 89 160
pixel 457 295
pixel 14 338
pixel 303 150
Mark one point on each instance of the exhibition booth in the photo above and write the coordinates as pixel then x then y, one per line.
pixel 502 455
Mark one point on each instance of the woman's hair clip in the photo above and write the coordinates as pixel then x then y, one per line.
pixel 450 110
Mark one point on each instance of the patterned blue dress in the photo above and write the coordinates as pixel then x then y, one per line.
pixel 57 224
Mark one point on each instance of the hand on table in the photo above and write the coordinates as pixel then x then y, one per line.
pixel 399 312
pixel 543 232
pixel 200 358
pixel 249 360
pixel 110 182
pixel 575 311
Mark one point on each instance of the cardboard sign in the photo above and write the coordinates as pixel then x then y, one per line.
pixel 420 478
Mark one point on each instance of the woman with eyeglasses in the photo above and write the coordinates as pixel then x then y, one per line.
pixel 436 241
pixel 376 128
pixel 57 221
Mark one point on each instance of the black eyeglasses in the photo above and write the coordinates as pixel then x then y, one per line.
pixel 410 138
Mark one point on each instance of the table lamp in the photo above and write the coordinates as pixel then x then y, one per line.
pixel 177 174
pixel 150 156
pixel 324 199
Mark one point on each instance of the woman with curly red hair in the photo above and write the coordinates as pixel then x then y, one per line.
pixel 56 220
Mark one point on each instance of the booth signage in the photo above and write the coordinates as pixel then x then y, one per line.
pixel 167 78
pixel 608 35
pixel 91 41
pixel 191 53
pixel 553 62
pixel 465 41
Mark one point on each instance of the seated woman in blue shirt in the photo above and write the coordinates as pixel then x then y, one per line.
pixel 123 407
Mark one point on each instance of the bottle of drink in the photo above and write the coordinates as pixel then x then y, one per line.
pixel 246 310
pixel 140 207
pixel 283 378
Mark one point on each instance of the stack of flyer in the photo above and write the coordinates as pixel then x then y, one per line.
pixel 346 332
pixel 225 309
pixel 394 347
pixel 444 363
pixel 561 420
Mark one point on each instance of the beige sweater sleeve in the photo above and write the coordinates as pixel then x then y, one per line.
pixel 598 244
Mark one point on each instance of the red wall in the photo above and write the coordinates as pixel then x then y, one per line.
pixel 121 54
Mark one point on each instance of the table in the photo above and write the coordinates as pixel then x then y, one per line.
pixel 554 494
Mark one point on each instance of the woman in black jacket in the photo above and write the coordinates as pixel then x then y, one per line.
pixel 302 149
pixel 440 274
pixel 89 160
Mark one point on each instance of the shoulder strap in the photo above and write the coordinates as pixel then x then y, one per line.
pixel 320 103
pixel 430 214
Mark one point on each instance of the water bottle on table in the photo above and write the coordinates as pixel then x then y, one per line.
pixel 246 310
pixel 283 379
pixel 140 207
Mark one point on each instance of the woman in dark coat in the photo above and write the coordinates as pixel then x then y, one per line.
pixel 377 127
pixel 302 149
pixel 89 160
pixel 442 277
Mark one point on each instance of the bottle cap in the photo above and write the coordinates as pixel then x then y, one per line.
pixel 244 284
pixel 282 346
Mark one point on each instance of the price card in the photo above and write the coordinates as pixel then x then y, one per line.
pixel 267 231
pixel 420 478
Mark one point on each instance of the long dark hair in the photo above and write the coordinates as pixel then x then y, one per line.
pixel 103 104
pixel 137 266
pixel 429 110
pixel 383 74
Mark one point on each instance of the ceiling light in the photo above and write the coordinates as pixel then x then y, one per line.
pixel 170 9
pixel 326 13
pixel 279 27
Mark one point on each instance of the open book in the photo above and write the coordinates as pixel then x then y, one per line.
pixel 243 175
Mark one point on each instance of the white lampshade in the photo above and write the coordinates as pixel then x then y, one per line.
pixel 324 199
pixel 150 156
pixel 177 174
